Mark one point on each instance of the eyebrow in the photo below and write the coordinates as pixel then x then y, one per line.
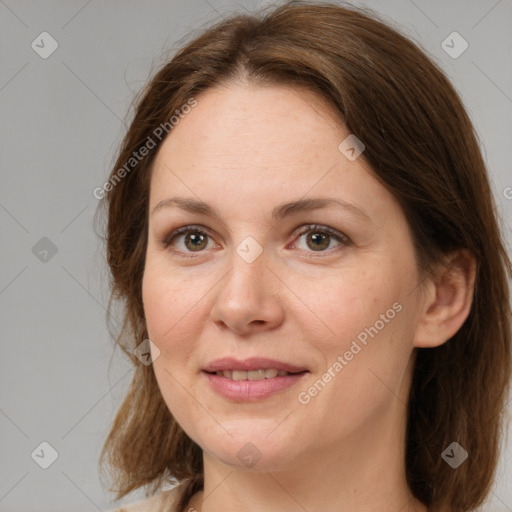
pixel 278 213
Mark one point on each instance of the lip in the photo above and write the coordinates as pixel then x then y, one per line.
pixel 251 390
pixel 252 363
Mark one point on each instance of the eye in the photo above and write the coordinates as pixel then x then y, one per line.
pixel 194 239
pixel 320 237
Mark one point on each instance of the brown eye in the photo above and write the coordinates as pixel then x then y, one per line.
pixel 196 241
pixel 187 240
pixel 319 238
pixel 318 241
pixel 190 239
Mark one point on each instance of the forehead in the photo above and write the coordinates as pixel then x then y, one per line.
pixel 250 145
pixel 248 126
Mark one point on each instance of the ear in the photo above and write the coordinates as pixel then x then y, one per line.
pixel 447 300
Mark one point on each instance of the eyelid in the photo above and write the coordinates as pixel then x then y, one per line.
pixel 343 239
pixel 168 239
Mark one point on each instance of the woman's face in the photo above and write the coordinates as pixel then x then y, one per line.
pixel 331 290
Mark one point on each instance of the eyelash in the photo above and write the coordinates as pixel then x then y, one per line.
pixel 339 237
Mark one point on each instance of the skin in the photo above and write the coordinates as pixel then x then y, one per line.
pixel 246 149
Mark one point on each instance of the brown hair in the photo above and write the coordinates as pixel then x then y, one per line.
pixel 422 147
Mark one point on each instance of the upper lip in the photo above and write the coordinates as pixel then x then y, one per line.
pixel 253 363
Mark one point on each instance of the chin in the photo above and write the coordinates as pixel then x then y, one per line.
pixel 252 449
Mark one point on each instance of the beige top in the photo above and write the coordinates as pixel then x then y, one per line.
pixel 164 501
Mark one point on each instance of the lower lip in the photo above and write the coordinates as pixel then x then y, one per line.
pixel 251 390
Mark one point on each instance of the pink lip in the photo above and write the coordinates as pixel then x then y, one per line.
pixel 253 363
pixel 251 390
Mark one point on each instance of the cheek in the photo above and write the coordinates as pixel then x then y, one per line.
pixel 352 301
pixel 156 298
pixel 169 307
pixel 370 329
pixel 172 326
pixel 374 336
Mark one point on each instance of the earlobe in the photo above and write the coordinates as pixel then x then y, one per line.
pixel 448 300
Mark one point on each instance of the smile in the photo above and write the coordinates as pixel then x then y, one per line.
pixel 252 375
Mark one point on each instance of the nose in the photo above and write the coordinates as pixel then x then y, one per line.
pixel 248 297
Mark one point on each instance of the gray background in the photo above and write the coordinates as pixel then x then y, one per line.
pixel 62 119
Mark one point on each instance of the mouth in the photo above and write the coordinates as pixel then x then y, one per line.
pixel 252 379
pixel 261 374
pixel 254 368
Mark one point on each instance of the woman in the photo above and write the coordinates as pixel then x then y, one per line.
pixel 301 228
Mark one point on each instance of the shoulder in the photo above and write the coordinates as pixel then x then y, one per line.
pixel 164 501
